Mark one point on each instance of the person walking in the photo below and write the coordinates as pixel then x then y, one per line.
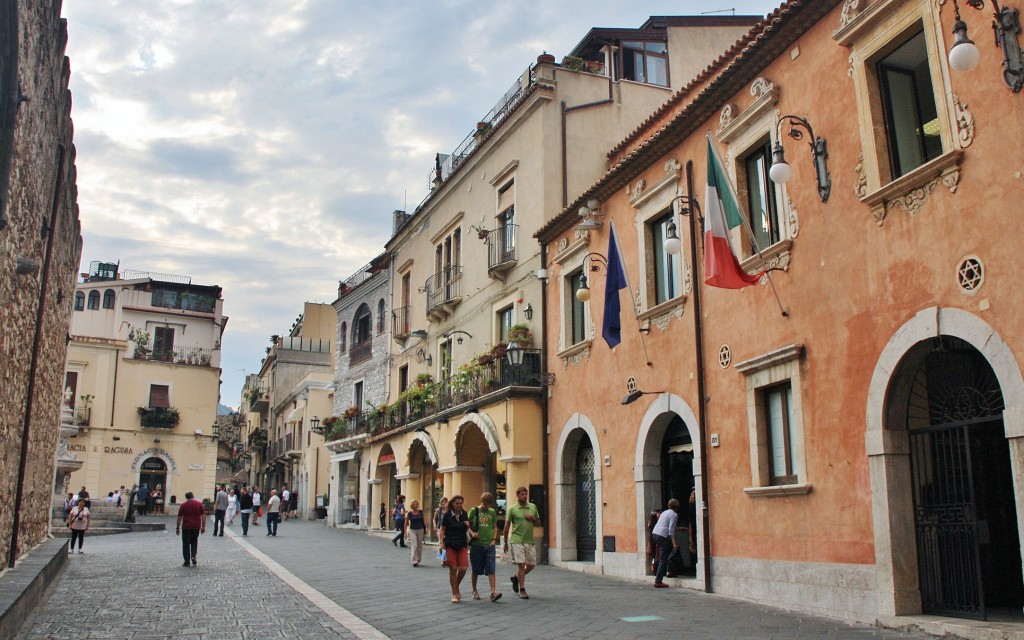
pixel 482 519
pixel 399 515
pixel 415 529
pixel 232 506
pixel 455 535
pixel 286 496
pixel 79 520
pixel 383 516
pixel 257 506
pixel 220 508
pixel 245 509
pixel 522 517
pixel 273 513
pixel 664 535
pixel 293 505
pixel 191 523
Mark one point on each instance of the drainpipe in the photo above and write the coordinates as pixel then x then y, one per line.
pixel 37 345
pixel 565 152
pixel 544 398
pixel 698 341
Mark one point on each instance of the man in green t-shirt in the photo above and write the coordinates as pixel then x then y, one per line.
pixel 482 541
pixel 522 517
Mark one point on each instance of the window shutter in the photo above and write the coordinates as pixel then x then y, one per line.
pixel 159 396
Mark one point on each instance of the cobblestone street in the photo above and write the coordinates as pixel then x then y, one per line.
pixel 311 582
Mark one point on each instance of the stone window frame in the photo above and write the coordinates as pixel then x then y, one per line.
pixel 762 373
pixel 652 203
pixel 743 133
pixel 569 259
pixel 871 35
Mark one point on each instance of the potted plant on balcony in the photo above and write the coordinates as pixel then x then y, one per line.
pixel 521 334
pixel 159 417
pixel 141 344
pixel 351 412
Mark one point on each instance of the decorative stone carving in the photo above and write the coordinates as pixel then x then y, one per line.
pixel 964 122
pixel 726 117
pixel 970 275
pixel 661 321
pixel 761 87
pixel 860 187
pixel 639 187
pixel 576 358
pixel 849 72
pixel 673 166
pixel 912 201
pixel 562 244
pixel 850 10
pixel 724 356
pixel 687 278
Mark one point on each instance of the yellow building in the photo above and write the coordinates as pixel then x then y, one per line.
pixel 143 368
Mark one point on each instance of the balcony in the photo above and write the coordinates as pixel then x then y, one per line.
pixel 259 396
pixel 360 352
pixel 400 322
pixel 159 417
pixel 501 250
pixel 258 438
pixel 83 416
pixel 192 356
pixel 488 381
pixel 291 446
pixel 444 292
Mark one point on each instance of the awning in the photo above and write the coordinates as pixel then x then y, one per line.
pixel 347 455
pixel 295 415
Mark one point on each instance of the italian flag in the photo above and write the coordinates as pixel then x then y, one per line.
pixel 722 213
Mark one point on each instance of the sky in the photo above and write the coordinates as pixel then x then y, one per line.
pixel 263 146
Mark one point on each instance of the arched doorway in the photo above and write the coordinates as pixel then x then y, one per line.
pixel 586 502
pixel 965 519
pixel 431 482
pixel 478 467
pixel 153 472
pixel 668 466
pixel 389 485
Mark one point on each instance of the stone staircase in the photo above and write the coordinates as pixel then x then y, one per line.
pixel 107 519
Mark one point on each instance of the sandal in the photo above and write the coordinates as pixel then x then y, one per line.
pixel 455 599
pixel 522 594
pixel 495 597
pixel 476 596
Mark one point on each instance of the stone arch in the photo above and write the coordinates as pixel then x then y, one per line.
pixel 428 444
pixel 888 448
pixel 574 430
pixel 486 426
pixel 647 472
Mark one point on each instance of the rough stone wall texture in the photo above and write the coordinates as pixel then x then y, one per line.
pixel 40 205
pixel 373 372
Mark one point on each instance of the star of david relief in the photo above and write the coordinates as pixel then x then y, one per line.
pixel 631 385
pixel 725 356
pixel 970 274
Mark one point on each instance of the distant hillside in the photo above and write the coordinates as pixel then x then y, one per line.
pixel 224 410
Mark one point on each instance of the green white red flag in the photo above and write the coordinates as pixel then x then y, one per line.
pixel 721 214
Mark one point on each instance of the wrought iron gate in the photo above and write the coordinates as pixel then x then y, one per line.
pixel 586 504
pixel 954 418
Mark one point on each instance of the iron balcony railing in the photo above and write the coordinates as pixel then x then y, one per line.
pixel 443 287
pixel 360 352
pixel 257 395
pixel 195 356
pixel 501 246
pixel 400 325
pixel 159 417
pixel 258 438
pixel 424 402
pixel 82 416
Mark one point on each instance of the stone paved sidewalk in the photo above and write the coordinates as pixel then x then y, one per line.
pixel 132 587
pixel 311 583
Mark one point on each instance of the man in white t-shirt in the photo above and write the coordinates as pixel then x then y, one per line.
pixel 255 505
pixel 285 496
pixel 664 535
pixel 273 512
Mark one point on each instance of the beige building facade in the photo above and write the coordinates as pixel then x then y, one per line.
pixel 143 371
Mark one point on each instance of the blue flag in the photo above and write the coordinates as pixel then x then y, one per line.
pixel 611 328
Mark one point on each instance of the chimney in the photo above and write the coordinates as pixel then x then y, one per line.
pixel 399 219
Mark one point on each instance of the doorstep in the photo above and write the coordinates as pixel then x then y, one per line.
pixel 956 627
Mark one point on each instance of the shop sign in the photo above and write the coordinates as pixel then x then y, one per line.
pixel 387 458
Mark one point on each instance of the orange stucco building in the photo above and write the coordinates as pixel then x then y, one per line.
pixel 858 449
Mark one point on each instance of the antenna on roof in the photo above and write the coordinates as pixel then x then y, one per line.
pixel 733 11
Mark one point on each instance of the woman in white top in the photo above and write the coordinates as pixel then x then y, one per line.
pixel 78 522
pixel 232 506
pixel 255 505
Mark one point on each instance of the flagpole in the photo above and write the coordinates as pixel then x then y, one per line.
pixel 632 301
pixel 746 226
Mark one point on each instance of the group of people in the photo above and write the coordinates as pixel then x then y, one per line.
pixel 250 506
pixel 468 540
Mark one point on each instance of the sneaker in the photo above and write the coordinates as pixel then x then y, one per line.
pixel 184 564
pixel 476 596
pixel 522 594
pixel 80 551
pixel 515 583
pixel 495 596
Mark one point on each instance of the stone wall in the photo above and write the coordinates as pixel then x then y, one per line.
pixel 40 249
pixel 374 371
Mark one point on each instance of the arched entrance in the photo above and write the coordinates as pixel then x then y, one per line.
pixel 421 464
pixel 586 502
pixel 668 466
pixel 153 472
pixel 945 421
pixel 389 486
pixel 478 467
pixel 965 522
pixel 578 494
